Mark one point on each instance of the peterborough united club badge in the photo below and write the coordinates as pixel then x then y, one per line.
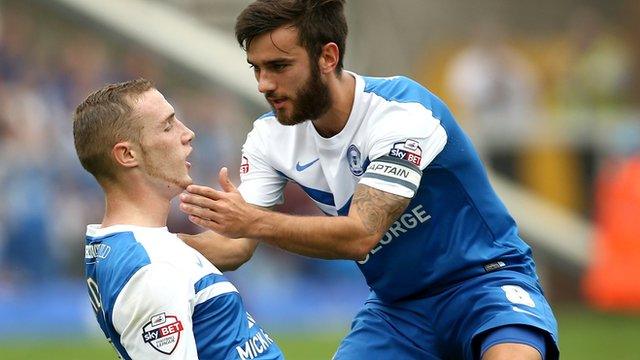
pixel 162 332
pixel 355 160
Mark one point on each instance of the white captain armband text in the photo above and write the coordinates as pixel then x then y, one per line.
pixel 390 174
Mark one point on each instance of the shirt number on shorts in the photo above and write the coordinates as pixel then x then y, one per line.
pixel 518 295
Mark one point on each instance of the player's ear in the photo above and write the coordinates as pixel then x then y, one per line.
pixel 125 154
pixel 329 58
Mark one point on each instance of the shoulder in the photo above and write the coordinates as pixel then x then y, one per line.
pixel 398 104
pixel 266 116
pixel 401 90
pixel 263 127
pixel 117 255
pixel 395 88
pixel 267 131
pixel 111 261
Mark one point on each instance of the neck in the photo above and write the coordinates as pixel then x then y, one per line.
pixel 135 205
pixel 342 90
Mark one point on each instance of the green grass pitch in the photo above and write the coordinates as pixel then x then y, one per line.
pixel 584 334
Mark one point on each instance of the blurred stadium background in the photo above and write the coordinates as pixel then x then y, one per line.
pixel 549 91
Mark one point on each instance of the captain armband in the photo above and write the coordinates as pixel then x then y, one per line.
pixel 394 175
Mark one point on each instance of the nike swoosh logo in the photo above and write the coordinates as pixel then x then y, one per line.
pixel 199 261
pixel 524 311
pixel 303 167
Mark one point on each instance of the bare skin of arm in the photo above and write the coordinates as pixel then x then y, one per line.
pixel 225 253
pixel 371 213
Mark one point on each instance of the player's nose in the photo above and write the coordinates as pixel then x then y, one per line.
pixel 190 135
pixel 187 135
pixel 266 83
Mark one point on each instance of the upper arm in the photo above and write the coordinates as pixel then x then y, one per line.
pixel 376 209
pixel 152 314
pixel 399 154
pixel 418 141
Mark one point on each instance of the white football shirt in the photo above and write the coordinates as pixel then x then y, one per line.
pixel 155 297
pixel 328 169
pixel 402 139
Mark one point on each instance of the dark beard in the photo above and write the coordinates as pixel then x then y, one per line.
pixel 312 101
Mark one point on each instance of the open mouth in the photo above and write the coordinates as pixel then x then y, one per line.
pixel 277 103
pixel 186 160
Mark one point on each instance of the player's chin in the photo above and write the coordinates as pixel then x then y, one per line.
pixel 287 120
pixel 185 182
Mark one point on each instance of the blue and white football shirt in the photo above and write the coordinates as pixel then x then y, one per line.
pixel 402 139
pixel 155 297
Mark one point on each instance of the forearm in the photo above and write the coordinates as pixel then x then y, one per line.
pixel 339 237
pixel 226 254
pixel 371 213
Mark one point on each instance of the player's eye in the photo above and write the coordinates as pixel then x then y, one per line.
pixel 279 67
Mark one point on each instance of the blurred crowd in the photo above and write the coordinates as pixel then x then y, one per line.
pixel 559 113
pixel 547 111
pixel 47 198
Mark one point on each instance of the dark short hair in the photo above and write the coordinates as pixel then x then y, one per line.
pixel 318 22
pixel 102 120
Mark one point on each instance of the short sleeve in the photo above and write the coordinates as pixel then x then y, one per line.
pixel 152 314
pixel 402 144
pixel 261 184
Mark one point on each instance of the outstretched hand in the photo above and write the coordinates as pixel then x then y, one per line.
pixel 223 211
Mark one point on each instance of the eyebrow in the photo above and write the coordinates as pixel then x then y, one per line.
pixel 169 118
pixel 272 62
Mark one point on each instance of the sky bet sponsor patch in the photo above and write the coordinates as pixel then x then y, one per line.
pixel 408 150
pixel 162 332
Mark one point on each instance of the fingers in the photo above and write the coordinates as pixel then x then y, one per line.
pixel 204 191
pixel 201 212
pixel 205 223
pixel 198 200
pixel 225 183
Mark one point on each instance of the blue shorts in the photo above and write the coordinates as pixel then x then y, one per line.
pixel 451 324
